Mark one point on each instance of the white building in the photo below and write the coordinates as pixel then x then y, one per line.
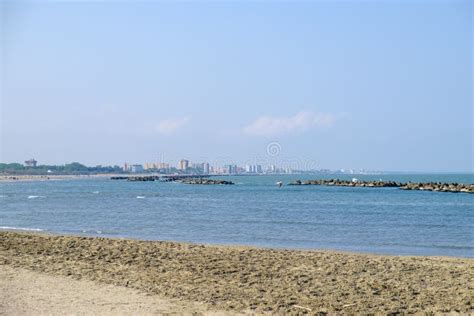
pixel 205 168
pixel 183 164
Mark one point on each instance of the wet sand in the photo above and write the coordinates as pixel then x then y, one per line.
pixel 245 279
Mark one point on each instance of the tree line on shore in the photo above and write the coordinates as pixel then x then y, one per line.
pixel 70 168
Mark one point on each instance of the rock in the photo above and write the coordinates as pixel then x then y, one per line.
pixel 439 187
pixel 204 181
pixel 297 182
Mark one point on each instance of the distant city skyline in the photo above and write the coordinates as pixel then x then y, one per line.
pixel 364 85
pixel 183 166
pixel 214 168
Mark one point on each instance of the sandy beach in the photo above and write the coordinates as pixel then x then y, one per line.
pixel 158 277
pixel 25 292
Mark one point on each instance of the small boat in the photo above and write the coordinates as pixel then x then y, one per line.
pixel 280 184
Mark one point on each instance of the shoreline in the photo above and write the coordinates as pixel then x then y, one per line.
pixel 245 278
pixel 24 178
pixel 46 232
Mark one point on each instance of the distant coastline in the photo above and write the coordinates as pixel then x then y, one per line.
pixel 33 177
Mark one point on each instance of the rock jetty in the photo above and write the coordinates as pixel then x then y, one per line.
pixel 204 181
pixel 118 178
pixel 429 186
pixel 135 178
pixel 439 187
pixel 346 183
pixel 177 178
pixel 143 178
pixel 171 178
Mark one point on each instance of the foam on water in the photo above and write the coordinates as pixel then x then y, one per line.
pixel 35 196
pixel 95 192
pixel 21 229
pixel 91 231
pixel 140 197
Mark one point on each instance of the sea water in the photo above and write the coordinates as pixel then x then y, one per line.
pixel 254 211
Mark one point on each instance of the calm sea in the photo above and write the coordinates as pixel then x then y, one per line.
pixel 252 212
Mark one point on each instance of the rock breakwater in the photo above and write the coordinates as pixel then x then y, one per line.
pixel 428 186
pixel 166 178
pixel 204 181
pixel 346 183
pixel 439 187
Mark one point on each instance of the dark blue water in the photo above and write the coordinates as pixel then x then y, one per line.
pixel 253 212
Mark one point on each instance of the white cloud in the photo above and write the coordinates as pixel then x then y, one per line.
pixel 170 126
pixel 302 121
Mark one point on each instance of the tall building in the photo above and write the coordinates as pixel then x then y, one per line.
pixel 230 169
pixel 205 168
pixel 163 165
pixel 136 168
pixel 31 163
pixel 183 164
pixel 150 165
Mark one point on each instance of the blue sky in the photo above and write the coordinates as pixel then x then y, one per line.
pixel 383 85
